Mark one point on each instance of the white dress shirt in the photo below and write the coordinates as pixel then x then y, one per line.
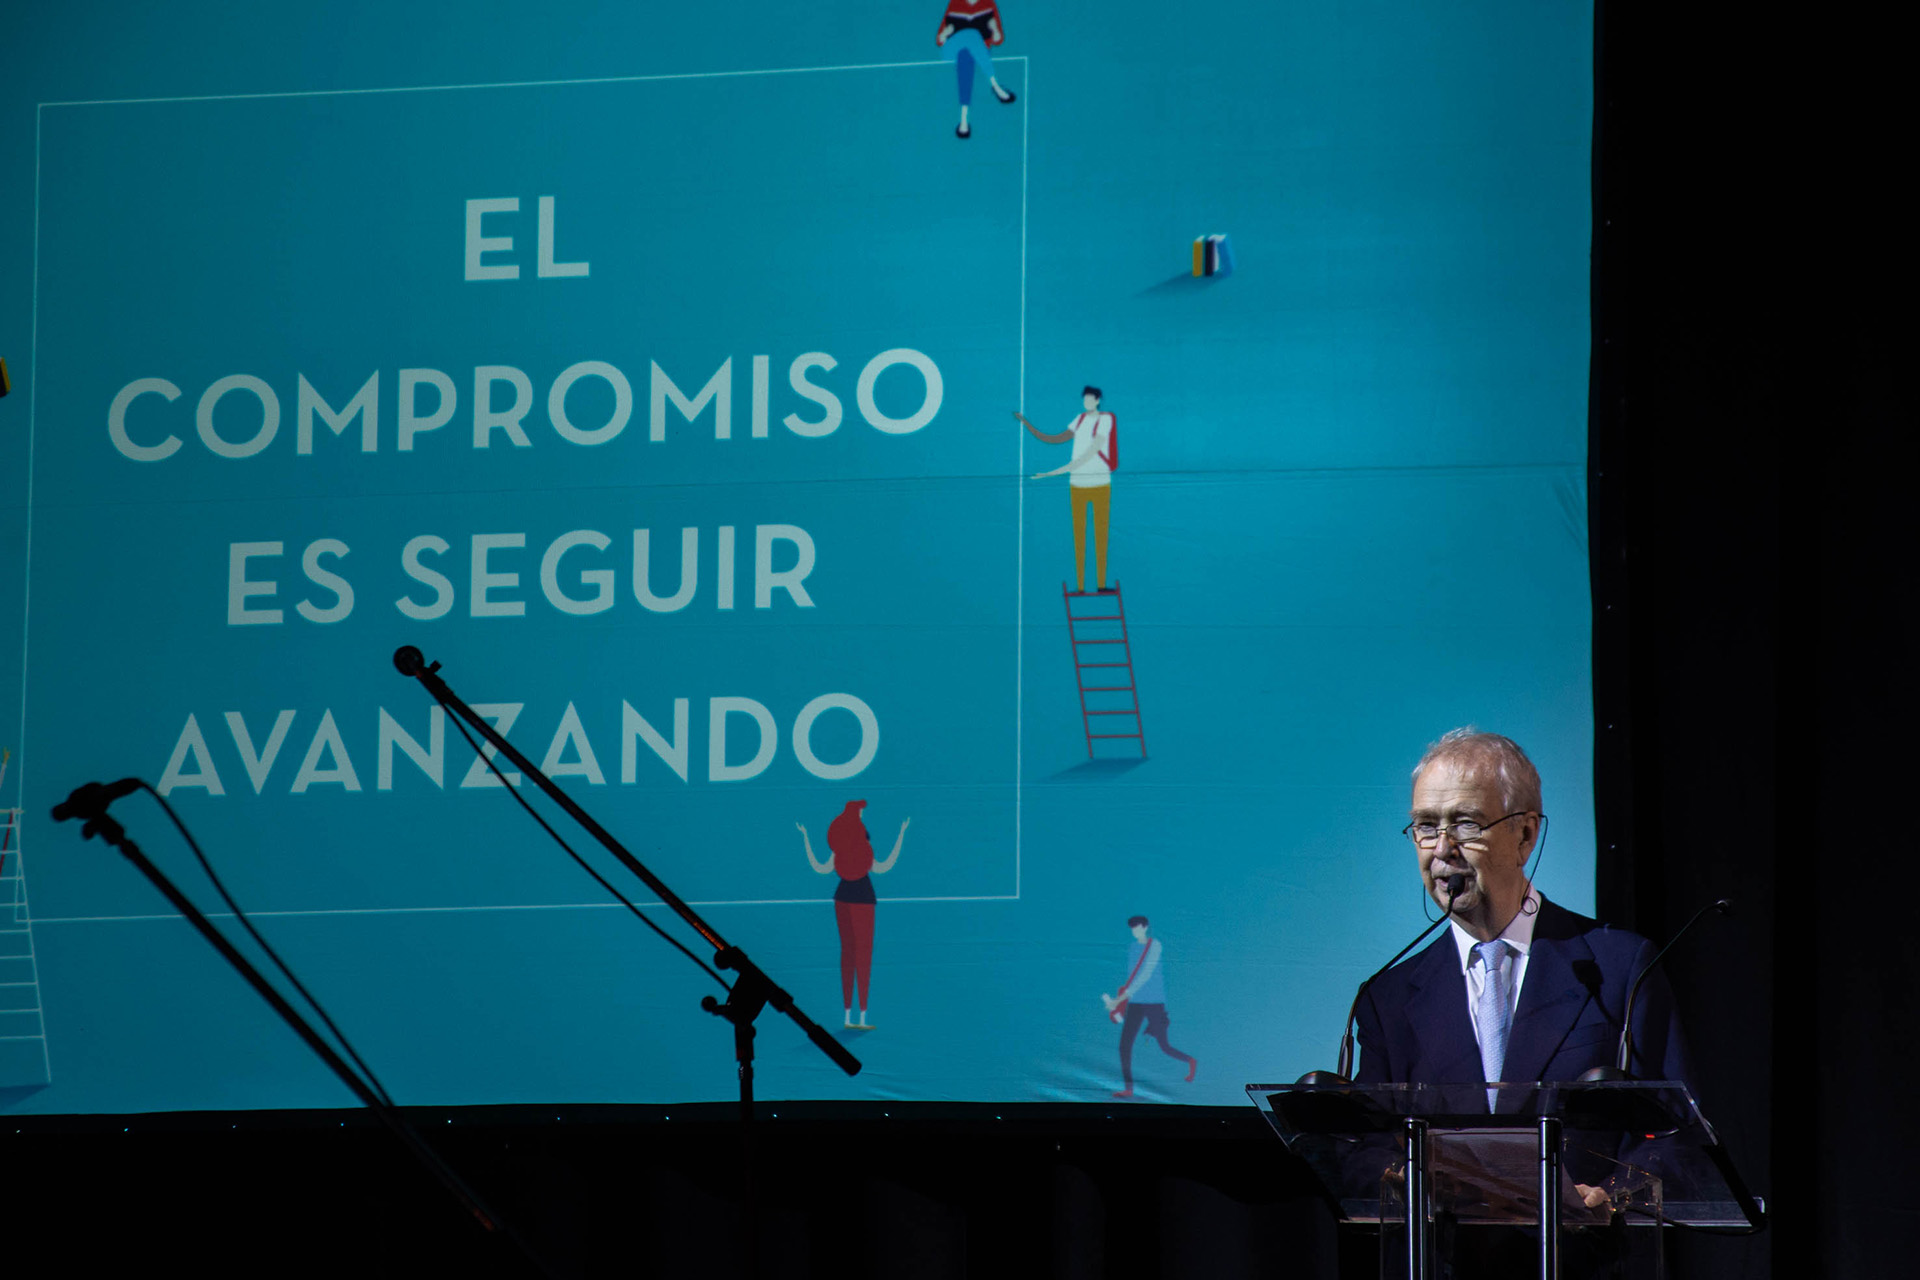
pixel 1517 935
pixel 1091 431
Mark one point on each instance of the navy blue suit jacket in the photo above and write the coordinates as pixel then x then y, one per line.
pixel 1414 1028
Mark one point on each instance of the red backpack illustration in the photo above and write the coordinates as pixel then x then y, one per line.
pixel 1111 454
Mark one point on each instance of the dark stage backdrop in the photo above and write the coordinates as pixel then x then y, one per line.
pixel 1754 588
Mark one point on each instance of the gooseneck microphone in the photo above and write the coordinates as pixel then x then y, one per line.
pixel 1621 1068
pixel 90 800
pixel 1455 885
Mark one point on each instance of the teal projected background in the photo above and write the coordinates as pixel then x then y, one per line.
pixel 656 372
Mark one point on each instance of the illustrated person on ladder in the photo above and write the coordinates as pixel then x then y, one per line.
pixel 1096 456
pixel 854 900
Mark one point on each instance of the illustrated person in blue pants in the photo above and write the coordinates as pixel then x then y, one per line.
pixel 966 30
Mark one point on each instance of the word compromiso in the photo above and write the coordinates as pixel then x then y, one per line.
pixel 502 397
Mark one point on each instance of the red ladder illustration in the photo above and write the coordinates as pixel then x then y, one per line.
pixel 1099 632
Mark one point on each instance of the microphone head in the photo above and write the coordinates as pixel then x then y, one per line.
pixel 81 802
pixel 90 799
pixel 1456 885
pixel 409 661
pixel 1724 906
pixel 1323 1077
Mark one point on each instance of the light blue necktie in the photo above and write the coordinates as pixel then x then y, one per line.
pixel 1495 1013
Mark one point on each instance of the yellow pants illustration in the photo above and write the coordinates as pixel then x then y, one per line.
pixel 1094 501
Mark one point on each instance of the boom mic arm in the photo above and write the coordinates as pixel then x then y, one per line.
pixel 1623 1057
pixel 1344 1074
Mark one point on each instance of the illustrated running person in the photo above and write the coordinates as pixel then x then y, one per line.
pixel 1142 998
pixel 853 901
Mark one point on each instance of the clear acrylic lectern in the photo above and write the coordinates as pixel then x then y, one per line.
pixel 1426 1161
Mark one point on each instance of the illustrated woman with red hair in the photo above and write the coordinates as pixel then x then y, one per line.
pixel 853 901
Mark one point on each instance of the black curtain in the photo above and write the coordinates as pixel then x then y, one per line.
pixel 1753 593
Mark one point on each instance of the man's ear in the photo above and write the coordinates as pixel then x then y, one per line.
pixel 1529 838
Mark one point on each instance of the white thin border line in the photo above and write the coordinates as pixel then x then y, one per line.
pixel 532 906
pixel 510 84
pixel 26 551
pixel 1020 521
pixel 1020 505
pixel 21 903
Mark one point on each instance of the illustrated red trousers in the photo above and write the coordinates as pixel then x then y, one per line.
pixel 856 949
pixel 1155 1017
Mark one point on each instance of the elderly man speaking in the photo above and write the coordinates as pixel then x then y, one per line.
pixel 1518 989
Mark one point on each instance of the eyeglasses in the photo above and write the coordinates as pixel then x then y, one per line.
pixel 1463 830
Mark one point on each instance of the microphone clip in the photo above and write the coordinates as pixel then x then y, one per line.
pixel 409 661
pixel 106 827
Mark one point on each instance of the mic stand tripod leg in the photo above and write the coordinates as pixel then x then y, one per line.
pixel 749 1156
pixel 750 993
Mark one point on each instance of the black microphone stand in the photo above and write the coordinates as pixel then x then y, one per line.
pixel 1622 1068
pixel 98 823
pixel 1454 885
pixel 751 991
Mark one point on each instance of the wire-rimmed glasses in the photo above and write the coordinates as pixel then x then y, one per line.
pixel 1460 830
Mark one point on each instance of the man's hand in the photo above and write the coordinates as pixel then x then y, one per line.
pixel 1108 1001
pixel 1592 1197
pixel 946 29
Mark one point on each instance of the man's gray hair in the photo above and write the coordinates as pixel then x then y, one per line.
pixel 1519 780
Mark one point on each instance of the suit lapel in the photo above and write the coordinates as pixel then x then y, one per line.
pixel 1551 1000
pixel 1438 1012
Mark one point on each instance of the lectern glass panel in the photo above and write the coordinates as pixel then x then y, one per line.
pixel 1620 1154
